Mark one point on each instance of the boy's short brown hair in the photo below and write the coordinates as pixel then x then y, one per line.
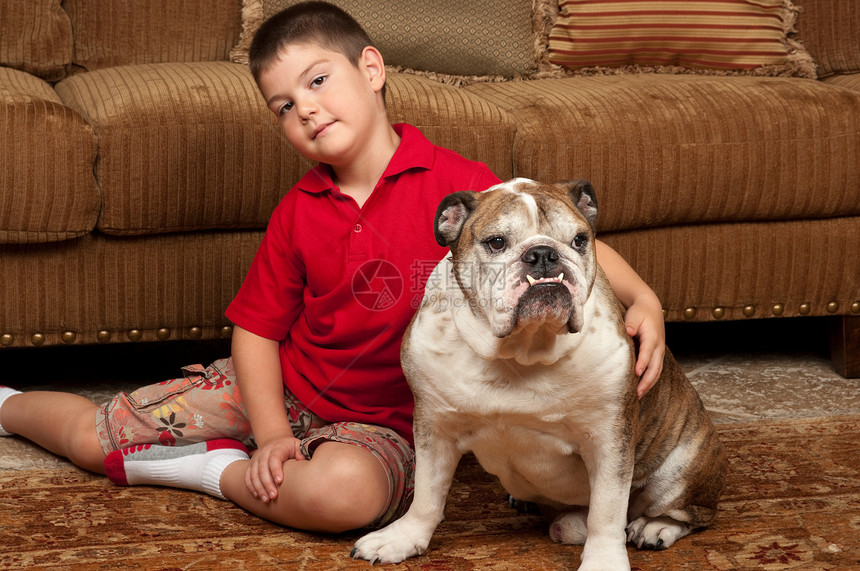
pixel 317 23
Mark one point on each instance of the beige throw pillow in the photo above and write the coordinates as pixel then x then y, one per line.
pixel 477 38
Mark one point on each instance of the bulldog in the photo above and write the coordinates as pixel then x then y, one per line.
pixel 518 354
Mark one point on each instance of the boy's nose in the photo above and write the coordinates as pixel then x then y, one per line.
pixel 305 109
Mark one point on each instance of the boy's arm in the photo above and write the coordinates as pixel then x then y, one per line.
pixel 258 373
pixel 643 318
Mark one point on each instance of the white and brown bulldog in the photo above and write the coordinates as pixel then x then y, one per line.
pixel 519 355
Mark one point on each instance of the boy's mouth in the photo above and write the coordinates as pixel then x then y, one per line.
pixel 320 130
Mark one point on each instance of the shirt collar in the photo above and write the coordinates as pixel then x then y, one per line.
pixel 414 151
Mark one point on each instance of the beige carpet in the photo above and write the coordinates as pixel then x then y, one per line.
pixel 791 427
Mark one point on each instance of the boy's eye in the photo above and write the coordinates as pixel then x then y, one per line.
pixel 285 108
pixel 317 81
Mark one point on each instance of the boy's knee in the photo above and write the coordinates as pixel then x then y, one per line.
pixel 85 449
pixel 349 494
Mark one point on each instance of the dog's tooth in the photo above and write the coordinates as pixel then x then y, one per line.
pixel 561 276
pixel 531 280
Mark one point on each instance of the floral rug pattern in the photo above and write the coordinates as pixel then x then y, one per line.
pixel 792 502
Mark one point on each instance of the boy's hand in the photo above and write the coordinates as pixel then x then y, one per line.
pixel 645 321
pixel 266 470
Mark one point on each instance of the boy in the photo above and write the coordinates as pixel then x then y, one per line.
pixel 314 383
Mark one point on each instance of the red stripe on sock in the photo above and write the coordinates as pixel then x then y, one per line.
pixel 225 443
pixel 115 467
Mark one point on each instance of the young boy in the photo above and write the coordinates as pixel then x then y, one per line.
pixel 314 383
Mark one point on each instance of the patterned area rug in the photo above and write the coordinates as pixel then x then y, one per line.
pixel 792 502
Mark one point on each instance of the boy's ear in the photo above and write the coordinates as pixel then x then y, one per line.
pixel 373 64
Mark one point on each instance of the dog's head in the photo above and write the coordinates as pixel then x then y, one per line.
pixel 523 252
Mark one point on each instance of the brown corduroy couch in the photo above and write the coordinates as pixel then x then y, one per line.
pixel 139 164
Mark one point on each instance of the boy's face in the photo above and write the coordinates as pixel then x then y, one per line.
pixel 326 105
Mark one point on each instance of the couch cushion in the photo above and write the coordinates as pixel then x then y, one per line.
pixel 183 146
pixel 830 30
pixel 734 35
pixel 36 37
pixel 192 146
pixel 155 31
pixel 849 81
pixel 478 38
pixel 453 118
pixel 678 149
pixel 47 189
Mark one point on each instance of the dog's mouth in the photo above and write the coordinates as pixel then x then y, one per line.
pixel 547 300
pixel 539 281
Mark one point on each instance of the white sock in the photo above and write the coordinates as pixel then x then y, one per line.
pixel 194 467
pixel 5 392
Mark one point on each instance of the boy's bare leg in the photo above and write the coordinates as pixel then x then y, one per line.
pixel 342 487
pixel 62 423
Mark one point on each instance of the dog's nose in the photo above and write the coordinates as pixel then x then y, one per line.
pixel 542 258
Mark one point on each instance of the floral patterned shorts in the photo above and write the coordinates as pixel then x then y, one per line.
pixel 206 404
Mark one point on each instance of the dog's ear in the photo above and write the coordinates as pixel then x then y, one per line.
pixel 452 214
pixel 582 194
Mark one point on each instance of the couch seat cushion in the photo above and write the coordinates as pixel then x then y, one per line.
pixel 453 118
pixel 47 189
pixel 183 146
pixel 665 150
pixel 192 146
pixel 848 81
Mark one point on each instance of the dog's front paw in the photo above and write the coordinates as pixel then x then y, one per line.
pixel 655 532
pixel 392 544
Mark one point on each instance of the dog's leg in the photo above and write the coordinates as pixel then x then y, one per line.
pixel 610 469
pixel 435 463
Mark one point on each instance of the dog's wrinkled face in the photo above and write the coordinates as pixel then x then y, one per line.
pixel 523 252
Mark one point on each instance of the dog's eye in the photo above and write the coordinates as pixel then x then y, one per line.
pixel 496 244
pixel 580 241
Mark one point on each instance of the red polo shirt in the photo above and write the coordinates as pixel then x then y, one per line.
pixel 337 285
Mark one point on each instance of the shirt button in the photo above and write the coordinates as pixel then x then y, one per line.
pixel 357 228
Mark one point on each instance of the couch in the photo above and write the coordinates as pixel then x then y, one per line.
pixel 139 164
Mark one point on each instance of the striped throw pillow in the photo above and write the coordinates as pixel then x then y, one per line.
pixel 705 34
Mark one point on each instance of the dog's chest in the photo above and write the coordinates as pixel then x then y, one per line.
pixel 527 425
pixel 535 458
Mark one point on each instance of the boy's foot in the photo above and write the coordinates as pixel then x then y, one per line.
pixel 193 467
pixel 5 392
